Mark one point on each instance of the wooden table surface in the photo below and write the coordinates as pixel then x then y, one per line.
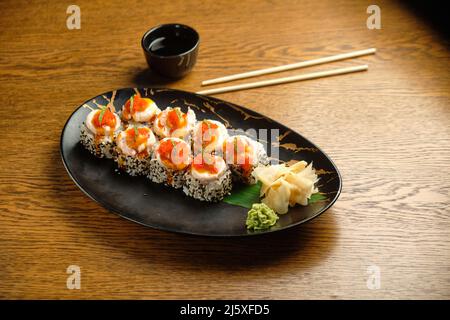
pixel 388 131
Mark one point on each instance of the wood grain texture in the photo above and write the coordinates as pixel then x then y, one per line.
pixel 388 131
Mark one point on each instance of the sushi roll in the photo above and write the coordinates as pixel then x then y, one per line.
pixel 98 133
pixel 171 159
pixel 208 179
pixel 243 155
pixel 172 122
pixel 133 150
pixel 138 110
pixel 208 136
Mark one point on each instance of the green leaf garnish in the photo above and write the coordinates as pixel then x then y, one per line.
pixel 316 197
pixel 178 112
pixel 102 113
pixel 207 123
pixel 245 196
pixel 131 103
pixel 173 143
pixel 136 132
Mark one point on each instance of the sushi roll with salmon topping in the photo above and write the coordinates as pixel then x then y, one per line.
pixel 138 110
pixel 99 131
pixel 170 161
pixel 172 122
pixel 208 179
pixel 208 136
pixel 243 155
pixel 134 148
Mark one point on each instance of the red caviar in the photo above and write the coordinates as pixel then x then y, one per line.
pixel 139 105
pixel 178 158
pixel 240 152
pixel 176 119
pixel 208 133
pixel 205 163
pixel 108 119
pixel 133 140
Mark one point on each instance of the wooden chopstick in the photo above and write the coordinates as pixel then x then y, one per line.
pixel 307 76
pixel 286 67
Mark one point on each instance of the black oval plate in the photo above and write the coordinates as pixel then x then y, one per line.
pixel 164 208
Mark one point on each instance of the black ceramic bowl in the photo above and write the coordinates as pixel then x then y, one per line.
pixel 171 49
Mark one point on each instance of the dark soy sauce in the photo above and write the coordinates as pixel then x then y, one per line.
pixel 170 45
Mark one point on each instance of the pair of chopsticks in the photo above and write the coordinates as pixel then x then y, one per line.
pixel 303 64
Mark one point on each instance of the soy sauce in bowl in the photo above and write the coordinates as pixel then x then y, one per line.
pixel 170 46
pixel 171 49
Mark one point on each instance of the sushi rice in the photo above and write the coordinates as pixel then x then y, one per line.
pixel 165 167
pixel 211 184
pixel 99 138
pixel 133 154
pixel 242 172
pixel 208 136
pixel 204 171
pixel 139 111
pixel 172 122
